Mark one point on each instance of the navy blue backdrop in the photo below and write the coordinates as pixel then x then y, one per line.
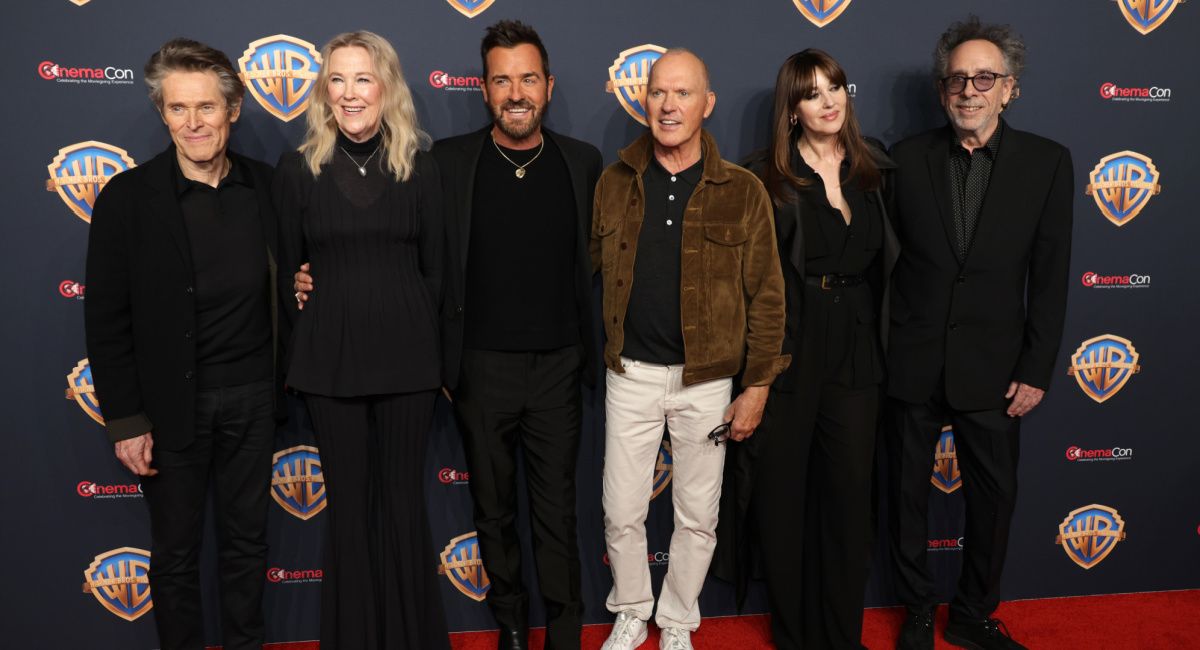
pixel 1109 459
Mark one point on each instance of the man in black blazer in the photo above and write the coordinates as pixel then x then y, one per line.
pixel 983 213
pixel 517 326
pixel 182 337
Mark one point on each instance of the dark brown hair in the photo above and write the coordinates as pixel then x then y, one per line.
pixel 797 78
pixel 509 34
pixel 186 55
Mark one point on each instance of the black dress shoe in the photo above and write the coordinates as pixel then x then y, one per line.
pixel 511 639
pixel 917 631
pixel 988 634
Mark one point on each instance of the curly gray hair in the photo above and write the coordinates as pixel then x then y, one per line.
pixel 971 29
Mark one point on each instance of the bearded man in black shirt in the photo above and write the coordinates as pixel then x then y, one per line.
pixel 516 326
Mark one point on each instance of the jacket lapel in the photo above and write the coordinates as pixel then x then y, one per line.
pixel 164 204
pixel 577 174
pixel 1005 175
pixel 938 160
pixel 474 147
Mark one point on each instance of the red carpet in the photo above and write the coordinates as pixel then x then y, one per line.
pixel 1167 620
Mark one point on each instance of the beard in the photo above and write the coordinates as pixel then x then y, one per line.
pixel 518 131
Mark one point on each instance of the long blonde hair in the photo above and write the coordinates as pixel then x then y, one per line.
pixel 402 136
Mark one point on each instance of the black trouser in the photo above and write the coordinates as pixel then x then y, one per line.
pixel 988 445
pixel 812 506
pixel 379 588
pixel 531 398
pixel 235 431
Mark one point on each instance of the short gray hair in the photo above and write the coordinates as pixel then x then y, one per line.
pixel 971 29
pixel 186 55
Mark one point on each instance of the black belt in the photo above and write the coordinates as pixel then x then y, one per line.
pixel 834 281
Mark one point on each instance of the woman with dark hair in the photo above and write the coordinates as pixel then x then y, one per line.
pixel 361 202
pixel 810 463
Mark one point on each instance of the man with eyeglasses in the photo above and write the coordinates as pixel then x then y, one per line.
pixel 983 212
pixel 693 295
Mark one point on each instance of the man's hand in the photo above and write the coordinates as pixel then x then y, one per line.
pixel 1024 397
pixel 134 453
pixel 302 283
pixel 746 412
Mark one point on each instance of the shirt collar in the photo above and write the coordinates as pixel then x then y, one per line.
pixel 237 175
pixel 992 146
pixel 691 175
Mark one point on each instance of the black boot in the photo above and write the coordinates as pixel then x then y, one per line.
pixel 917 631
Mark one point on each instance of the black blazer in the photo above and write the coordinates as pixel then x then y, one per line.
pixel 141 309
pixel 998 316
pixel 457 158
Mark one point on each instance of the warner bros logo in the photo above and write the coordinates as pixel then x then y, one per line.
pixel 280 71
pixel 1147 15
pixel 946 476
pixel 81 170
pixel 1090 533
pixel 120 581
pixel 628 76
pixel 297 484
pixel 1122 184
pixel 463 566
pixel 470 8
pixel 1103 365
pixel 81 389
pixel 821 12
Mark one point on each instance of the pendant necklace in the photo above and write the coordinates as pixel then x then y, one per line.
pixel 520 172
pixel 362 169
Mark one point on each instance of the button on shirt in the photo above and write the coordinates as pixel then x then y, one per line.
pixel 970 172
pixel 653 327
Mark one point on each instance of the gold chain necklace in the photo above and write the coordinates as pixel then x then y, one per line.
pixel 520 173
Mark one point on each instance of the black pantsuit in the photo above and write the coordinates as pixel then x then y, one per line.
pixel 235 431
pixel 531 400
pixel 380 586
pixel 988 445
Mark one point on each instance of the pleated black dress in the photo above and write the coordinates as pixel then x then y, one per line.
pixel 364 353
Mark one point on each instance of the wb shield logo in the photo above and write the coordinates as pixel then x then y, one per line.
pixel 470 8
pixel 120 581
pixel 628 76
pixel 1103 365
pixel 821 12
pixel 946 476
pixel 81 170
pixel 1090 533
pixel 662 470
pixel 279 71
pixel 81 389
pixel 461 563
pixel 1147 15
pixel 297 484
pixel 1122 185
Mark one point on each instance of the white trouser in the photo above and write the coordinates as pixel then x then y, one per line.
pixel 637 404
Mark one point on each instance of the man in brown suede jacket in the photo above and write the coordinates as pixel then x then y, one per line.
pixel 693 295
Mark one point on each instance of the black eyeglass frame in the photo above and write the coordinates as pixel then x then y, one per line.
pixel 720 433
pixel 974 79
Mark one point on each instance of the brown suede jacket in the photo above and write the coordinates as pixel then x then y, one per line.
pixel 731 286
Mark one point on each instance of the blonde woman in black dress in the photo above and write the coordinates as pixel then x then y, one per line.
pixel 359 201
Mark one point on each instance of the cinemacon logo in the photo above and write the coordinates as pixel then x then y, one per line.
pixel 71 289
pixel 90 489
pixel 1117 93
pixel 1130 281
pixel 451 476
pixel 276 574
pixel 1090 455
pixel 51 71
pixel 946 544
pixel 653 559
pixel 446 81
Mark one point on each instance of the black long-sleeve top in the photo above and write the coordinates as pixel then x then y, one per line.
pixel 369 326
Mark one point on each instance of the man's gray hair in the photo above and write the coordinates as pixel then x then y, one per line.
pixel 186 55
pixel 971 29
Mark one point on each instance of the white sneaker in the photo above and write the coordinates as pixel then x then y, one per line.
pixel 675 638
pixel 628 632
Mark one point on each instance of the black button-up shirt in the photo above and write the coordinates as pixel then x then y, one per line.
pixel 970 172
pixel 653 327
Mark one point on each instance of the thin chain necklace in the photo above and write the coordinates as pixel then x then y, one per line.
pixel 520 173
pixel 362 169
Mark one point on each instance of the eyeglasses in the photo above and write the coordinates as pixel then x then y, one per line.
pixel 983 82
pixel 720 433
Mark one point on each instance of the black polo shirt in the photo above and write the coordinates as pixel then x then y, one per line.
pixel 653 327
pixel 231 278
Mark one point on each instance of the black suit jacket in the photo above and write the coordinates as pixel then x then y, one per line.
pixel 457 158
pixel 140 308
pixel 997 316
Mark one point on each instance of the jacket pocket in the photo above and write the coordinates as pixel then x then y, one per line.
pixel 723 254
